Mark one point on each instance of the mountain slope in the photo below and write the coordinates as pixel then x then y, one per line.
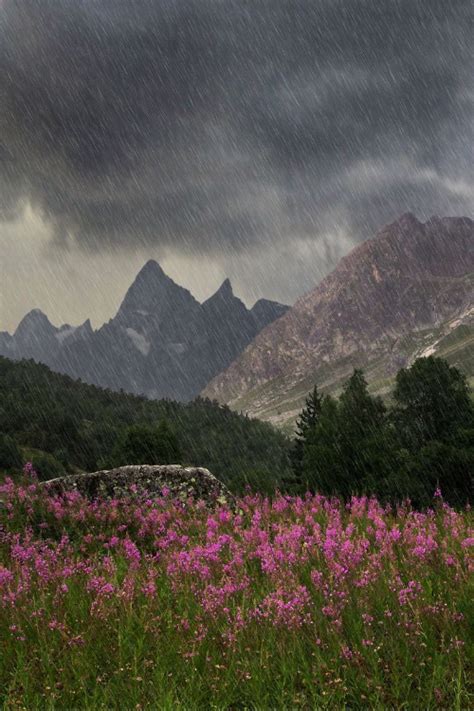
pixel 161 343
pixel 390 299
pixel 81 423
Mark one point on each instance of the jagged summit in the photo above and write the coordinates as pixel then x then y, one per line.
pixel 34 315
pixel 87 326
pixel 151 269
pixel 223 295
pixel 150 276
pixel 153 292
pixel 161 343
pixel 225 289
pixel 34 319
pixel 35 337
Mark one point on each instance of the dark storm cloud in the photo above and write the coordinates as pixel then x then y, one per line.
pixel 208 125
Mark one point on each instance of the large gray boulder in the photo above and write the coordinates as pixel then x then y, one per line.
pixel 148 481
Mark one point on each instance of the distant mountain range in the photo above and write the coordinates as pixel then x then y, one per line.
pixel 408 292
pixel 162 343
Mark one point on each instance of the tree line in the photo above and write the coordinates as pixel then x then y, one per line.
pixel 421 441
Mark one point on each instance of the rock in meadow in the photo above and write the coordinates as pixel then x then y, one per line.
pixel 147 481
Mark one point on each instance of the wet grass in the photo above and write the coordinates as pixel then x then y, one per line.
pixel 290 603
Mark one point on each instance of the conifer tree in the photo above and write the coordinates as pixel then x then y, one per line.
pixel 432 402
pixel 349 450
pixel 305 424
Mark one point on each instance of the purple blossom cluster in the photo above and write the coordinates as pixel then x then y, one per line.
pixel 344 575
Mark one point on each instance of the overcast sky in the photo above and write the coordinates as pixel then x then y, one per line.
pixel 255 139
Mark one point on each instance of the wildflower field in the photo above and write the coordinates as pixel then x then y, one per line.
pixel 284 603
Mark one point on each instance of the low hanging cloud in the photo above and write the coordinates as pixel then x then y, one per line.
pixel 228 130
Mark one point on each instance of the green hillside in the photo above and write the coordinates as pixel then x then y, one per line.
pixel 80 425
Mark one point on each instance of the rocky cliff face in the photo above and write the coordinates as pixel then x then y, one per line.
pixel 161 343
pixel 390 299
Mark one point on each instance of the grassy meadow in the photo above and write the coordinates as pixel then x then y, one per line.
pixel 286 603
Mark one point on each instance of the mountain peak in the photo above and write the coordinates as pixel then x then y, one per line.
pixel 150 282
pixel 224 294
pixel 82 331
pixel 225 288
pixel 33 319
pixel 150 270
pixel 36 314
pixel 154 292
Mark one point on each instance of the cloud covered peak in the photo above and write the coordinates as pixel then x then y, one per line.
pixel 218 132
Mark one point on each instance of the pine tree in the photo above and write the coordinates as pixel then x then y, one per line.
pixel 305 424
pixel 349 450
pixel 432 402
pixel 434 416
pixel 309 414
pixel 365 453
pixel 322 466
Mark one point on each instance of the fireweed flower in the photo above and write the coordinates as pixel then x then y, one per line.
pixel 29 470
pixel 300 565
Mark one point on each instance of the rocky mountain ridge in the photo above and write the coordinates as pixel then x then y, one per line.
pixel 394 296
pixel 161 343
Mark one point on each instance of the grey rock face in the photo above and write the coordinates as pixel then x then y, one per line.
pixel 265 312
pixel 38 339
pixel 146 481
pixel 36 336
pixel 162 343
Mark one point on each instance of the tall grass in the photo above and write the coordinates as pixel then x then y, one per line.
pixel 290 603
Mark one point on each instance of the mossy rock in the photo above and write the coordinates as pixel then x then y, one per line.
pixel 146 481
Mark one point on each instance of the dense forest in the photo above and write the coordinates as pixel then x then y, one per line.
pixel 421 442
pixel 65 425
pixel 423 439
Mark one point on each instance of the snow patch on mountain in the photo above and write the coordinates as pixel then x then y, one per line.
pixel 64 333
pixel 139 341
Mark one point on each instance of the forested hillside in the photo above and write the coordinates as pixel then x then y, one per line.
pixel 82 425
